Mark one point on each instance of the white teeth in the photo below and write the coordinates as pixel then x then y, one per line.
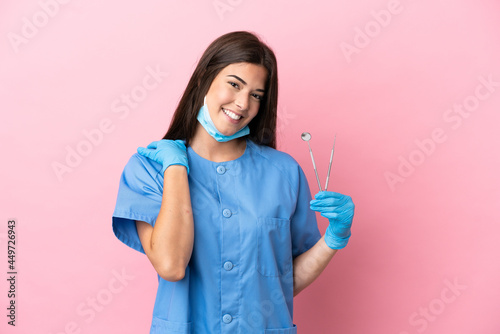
pixel 231 114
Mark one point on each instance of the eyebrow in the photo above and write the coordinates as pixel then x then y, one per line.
pixel 243 82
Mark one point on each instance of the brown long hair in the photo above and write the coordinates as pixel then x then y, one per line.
pixel 234 47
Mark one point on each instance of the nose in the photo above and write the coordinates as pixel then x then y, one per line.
pixel 242 101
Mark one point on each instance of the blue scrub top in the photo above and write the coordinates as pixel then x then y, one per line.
pixel 251 219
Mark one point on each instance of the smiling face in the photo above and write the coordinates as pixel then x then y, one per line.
pixel 234 96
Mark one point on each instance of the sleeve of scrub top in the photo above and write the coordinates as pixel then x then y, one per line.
pixel 305 232
pixel 139 198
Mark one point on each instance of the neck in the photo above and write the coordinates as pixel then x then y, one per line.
pixel 208 148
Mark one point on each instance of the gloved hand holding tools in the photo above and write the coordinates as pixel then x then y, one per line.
pixel 339 209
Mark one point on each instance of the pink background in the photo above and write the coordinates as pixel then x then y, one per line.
pixel 385 95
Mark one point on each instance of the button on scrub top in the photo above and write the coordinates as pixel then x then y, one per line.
pixel 251 219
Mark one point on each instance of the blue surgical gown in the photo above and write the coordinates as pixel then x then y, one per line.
pixel 251 219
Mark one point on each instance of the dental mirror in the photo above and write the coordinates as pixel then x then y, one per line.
pixel 306 136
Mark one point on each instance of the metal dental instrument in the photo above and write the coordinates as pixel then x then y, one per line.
pixel 330 164
pixel 306 136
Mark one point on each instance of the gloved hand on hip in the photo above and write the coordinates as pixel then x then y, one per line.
pixel 339 209
pixel 166 152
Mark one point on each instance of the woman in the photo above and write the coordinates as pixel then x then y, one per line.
pixel 222 215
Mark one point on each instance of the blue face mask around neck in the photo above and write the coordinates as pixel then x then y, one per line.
pixel 208 124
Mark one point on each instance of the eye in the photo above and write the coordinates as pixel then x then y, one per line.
pixel 258 97
pixel 234 84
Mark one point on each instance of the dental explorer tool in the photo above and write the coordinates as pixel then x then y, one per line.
pixel 330 164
